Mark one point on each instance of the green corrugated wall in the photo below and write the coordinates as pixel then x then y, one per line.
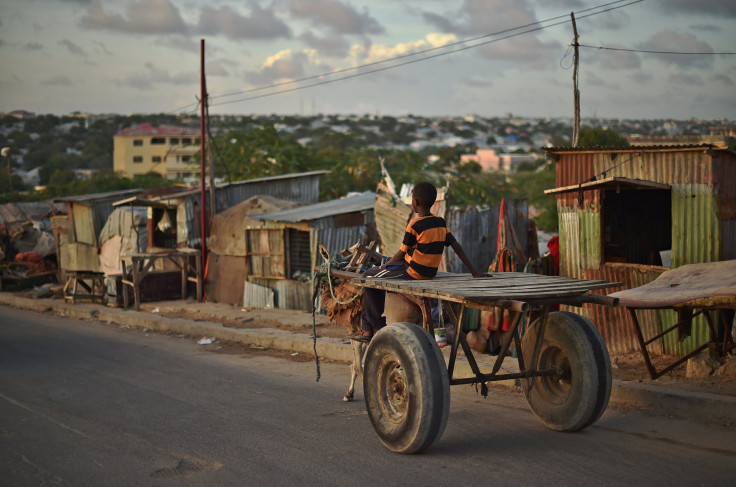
pixel 696 233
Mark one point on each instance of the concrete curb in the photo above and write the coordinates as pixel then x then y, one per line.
pixel 698 406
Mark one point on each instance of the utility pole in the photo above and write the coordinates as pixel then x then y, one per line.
pixel 576 91
pixel 203 156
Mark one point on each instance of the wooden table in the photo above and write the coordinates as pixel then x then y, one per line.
pixel 143 264
pixel 690 290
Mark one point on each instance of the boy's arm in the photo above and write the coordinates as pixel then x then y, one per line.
pixel 397 258
pixel 464 257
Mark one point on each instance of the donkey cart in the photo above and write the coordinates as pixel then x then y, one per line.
pixel 564 366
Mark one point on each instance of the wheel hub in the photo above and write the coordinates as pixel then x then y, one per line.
pixel 394 388
pixel 556 387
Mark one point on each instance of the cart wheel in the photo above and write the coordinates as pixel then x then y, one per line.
pixel 578 396
pixel 406 388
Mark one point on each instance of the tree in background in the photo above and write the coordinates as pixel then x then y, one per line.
pixel 598 137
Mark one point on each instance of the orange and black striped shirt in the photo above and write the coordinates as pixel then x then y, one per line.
pixel 424 241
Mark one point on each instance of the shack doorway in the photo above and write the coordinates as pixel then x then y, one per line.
pixel 637 225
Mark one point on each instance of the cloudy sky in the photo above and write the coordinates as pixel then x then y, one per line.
pixel 143 56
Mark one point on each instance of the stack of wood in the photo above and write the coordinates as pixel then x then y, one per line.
pixel 348 315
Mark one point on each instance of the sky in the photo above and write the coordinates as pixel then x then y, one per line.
pixel 143 56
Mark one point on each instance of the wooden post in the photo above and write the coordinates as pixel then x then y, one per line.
pixel 576 91
pixel 203 154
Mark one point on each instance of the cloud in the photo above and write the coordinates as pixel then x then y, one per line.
pixel 340 17
pixel 616 20
pixel 716 8
pixel 58 80
pixel 152 76
pixel 478 17
pixel 478 81
pixel 686 79
pixel 261 24
pixel 722 78
pixel 281 66
pixel 481 17
pixel 614 59
pixel 668 40
pixel 706 27
pixel 181 42
pixel 217 68
pixel 594 80
pixel 33 46
pixel 142 17
pixel 73 48
pixel 642 78
pixel 103 48
pixel 379 52
pixel 331 44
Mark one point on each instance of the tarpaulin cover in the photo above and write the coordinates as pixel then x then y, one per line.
pixel 124 234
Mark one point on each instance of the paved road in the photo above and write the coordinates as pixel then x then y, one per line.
pixel 85 403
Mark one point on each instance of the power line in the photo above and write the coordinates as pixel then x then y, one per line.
pixel 412 61
pixel 403 56
pixel 657 52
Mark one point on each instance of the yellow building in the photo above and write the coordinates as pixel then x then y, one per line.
pixel 167 150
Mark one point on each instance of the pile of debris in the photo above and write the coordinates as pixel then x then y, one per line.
pixel 27 252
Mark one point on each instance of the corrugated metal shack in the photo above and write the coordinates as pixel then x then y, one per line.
pixel 77 234
pixel 299 187
pixel 475 228
pixel 226 263
pixel 281 252
pixel 628 214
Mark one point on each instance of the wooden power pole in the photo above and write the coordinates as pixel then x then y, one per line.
pixel 203 156
pixel 576 91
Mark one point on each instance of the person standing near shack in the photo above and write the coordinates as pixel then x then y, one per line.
pixel 418 258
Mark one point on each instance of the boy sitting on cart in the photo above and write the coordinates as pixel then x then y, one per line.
pixel 419 257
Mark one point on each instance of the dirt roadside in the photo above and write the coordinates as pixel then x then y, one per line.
pixel 628 367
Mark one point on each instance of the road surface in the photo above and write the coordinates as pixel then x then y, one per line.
pixel 88 403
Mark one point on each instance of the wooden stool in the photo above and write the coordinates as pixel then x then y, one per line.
pixel 95 288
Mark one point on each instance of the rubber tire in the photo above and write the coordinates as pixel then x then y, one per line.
pixel 411 414
pixel 578 398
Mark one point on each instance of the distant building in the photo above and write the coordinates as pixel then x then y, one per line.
pixel 166 150
pixel 715 140
pixel 489 160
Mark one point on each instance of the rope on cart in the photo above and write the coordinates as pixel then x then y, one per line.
pixel 314 326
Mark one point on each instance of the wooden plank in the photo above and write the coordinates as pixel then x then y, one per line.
pixel 464 289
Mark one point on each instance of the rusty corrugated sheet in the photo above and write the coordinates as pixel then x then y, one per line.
pixel 569 235
pixel 694 165
pixel 391 215
pixel 696 233
pixel 477 231
pixel 615 324
pixel 288 294
pixel 728 241
pixel 257 296
pixel 703 224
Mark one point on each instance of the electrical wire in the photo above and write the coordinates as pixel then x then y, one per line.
pixel 656 52
pixel 412 61
pixel 403 56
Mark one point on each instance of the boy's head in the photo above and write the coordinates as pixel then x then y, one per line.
pixel 425 194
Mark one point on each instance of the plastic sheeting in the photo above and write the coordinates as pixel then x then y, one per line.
pixel 124 234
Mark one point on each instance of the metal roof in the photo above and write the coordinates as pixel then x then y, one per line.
pixel 165 130
pixel 249 181
pixel 138 201
pixel 632 148
pixel 361 202
pixel 100 196
pixel 615 181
